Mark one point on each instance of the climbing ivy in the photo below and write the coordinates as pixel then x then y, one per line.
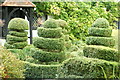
pixel 79 15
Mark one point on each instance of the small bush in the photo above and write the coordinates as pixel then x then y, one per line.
pixel 10 67
pixel 101 52
pixel 44 56
pixel 91 67
pixel 41 71
pixel 18 24
pixel 17 45
pixel 16 39
pixel 49 32
pixel 101 23
pixel 18 34
pixel 50 23
pixel 49 43
pixel 105 41
pixel 103 32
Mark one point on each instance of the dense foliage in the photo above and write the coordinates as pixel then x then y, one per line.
pixel 79 15
pixel 10 67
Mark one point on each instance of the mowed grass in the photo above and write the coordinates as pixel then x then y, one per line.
pixel 115 35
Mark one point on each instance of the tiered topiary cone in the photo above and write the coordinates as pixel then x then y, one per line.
pixel 50 42
pixel 100 42
pixel 17 37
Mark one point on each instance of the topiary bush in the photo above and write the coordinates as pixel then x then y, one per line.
pixel 101 52
pixel 10 66
pixel 91 68
pixel 100 35
pixel 49 51
pixel 101 23
pixel 17 37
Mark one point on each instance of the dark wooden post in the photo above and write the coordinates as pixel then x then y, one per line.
pixel 30 22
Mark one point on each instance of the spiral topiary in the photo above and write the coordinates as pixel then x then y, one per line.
pixel 99 41
pixel 17 37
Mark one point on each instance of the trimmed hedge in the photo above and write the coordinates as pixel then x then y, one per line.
pixel 17 45
pixel 49 32
pixel 50 23
pixel 101 23
pixel 18 34
pixel 101 52
pixel 44 56
pixel 41 71
pixel 17 39
pixel 104 32
pixel 18 24
pixel 105 41
pixel 49 43
pixel 91 68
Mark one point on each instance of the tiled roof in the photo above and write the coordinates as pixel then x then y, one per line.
pixel 17 3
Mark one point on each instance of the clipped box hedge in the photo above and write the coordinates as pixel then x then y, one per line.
pixel 18 34
pixel 105 41
pixel 91 68
pixel 49 43
pixel 17 45
pixel 104 32
pixel 18 24
pixel 101 23
pixel 50 23
pixel 49 32
pixel 15 38
pixel 101 52
pixel 41 71
pixel 45 56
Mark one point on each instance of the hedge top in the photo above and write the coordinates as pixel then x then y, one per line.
pixel 101 23
pixel 18 24
pixel 50 23
pixel 62 23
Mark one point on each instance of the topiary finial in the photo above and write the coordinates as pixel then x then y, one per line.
pixel 101 23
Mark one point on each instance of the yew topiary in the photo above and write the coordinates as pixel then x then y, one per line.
pixel 17 36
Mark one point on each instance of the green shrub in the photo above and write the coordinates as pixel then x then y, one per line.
pixel 18 53
pixel 62 23
pixel 105 41
pixel 18 34
pixel 104 32
pixel 49 43
pixel 44 56
pixel 17 45
pixel 41 71
pixel 50 23
pixel 91 67
pixel 101 52
pixel 18 24
pixel 70 77
pixel 101 23
pixel 49 32
pixel 16 39
pixel 10 67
